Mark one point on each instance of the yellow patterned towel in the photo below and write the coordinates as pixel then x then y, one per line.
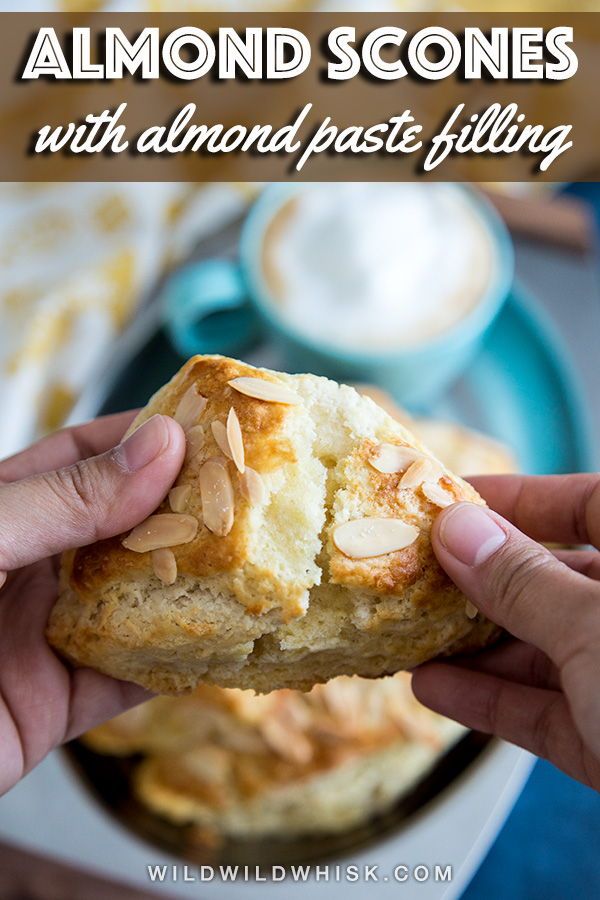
pixel 75 263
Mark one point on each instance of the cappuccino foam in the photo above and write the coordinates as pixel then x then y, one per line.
pixel 377 266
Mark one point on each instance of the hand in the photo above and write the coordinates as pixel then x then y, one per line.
pixel 53 498
pixel 541 689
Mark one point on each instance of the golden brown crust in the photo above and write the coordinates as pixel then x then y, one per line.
pixel 265 447
pixel 379 494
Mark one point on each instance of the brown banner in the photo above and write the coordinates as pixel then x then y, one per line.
pixel 504 126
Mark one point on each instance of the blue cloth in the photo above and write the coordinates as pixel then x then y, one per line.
pixel 549 846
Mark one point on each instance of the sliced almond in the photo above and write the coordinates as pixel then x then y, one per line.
pixel 389 458
pixel 470 610
pixel 220 435
pixel 437 494
pixel 362 538
pixel 179 497
pixel 217 497
pixel 271 391
pixel 289 744
pixel 164 565
pixel 252 487
pixel 424 469
pixel 162 530
pixel 235 440
pixel 190 408
pixel 195 442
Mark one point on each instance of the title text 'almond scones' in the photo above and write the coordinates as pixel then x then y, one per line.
pixel 294 546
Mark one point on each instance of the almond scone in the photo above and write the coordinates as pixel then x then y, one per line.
pixel 294 546
pixel 282 765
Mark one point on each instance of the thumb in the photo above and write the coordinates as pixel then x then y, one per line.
pixel 93 499
pixel 513 580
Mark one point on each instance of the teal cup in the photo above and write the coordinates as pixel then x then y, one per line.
pixel 223 306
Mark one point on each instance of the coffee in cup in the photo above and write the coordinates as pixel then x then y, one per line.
pixel 374 267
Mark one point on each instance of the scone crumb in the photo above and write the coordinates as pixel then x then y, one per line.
pixel 162 530
pixel 363 538
pixel 471 610
pixel 260 389
pixel 164 565
pixel 216 492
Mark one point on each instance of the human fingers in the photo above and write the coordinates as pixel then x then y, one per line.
pixel 67 446
pixel 96 698
pixel 92 499
pixel 586 562
pixel 538 720
pixel 515 661
pixel 561 508
pixel 514 581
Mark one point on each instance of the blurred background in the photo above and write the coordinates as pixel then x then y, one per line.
pixel 93 278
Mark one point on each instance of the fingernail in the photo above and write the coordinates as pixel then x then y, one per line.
pixel 470 534
pixel 145 444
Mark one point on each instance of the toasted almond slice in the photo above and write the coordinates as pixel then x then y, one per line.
pixel 389 458
pixel 470 610
pixel 190 408
pixel 220 435
pixel 162 530
pixel 271 391
pixel 217 497
pixel 290 744
pixel 437 494
pixel 362 538
pixel 424 469
pixel 252 487
pixel 195 442
pixel 164 565
pixel 235 440
pixel 179 497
